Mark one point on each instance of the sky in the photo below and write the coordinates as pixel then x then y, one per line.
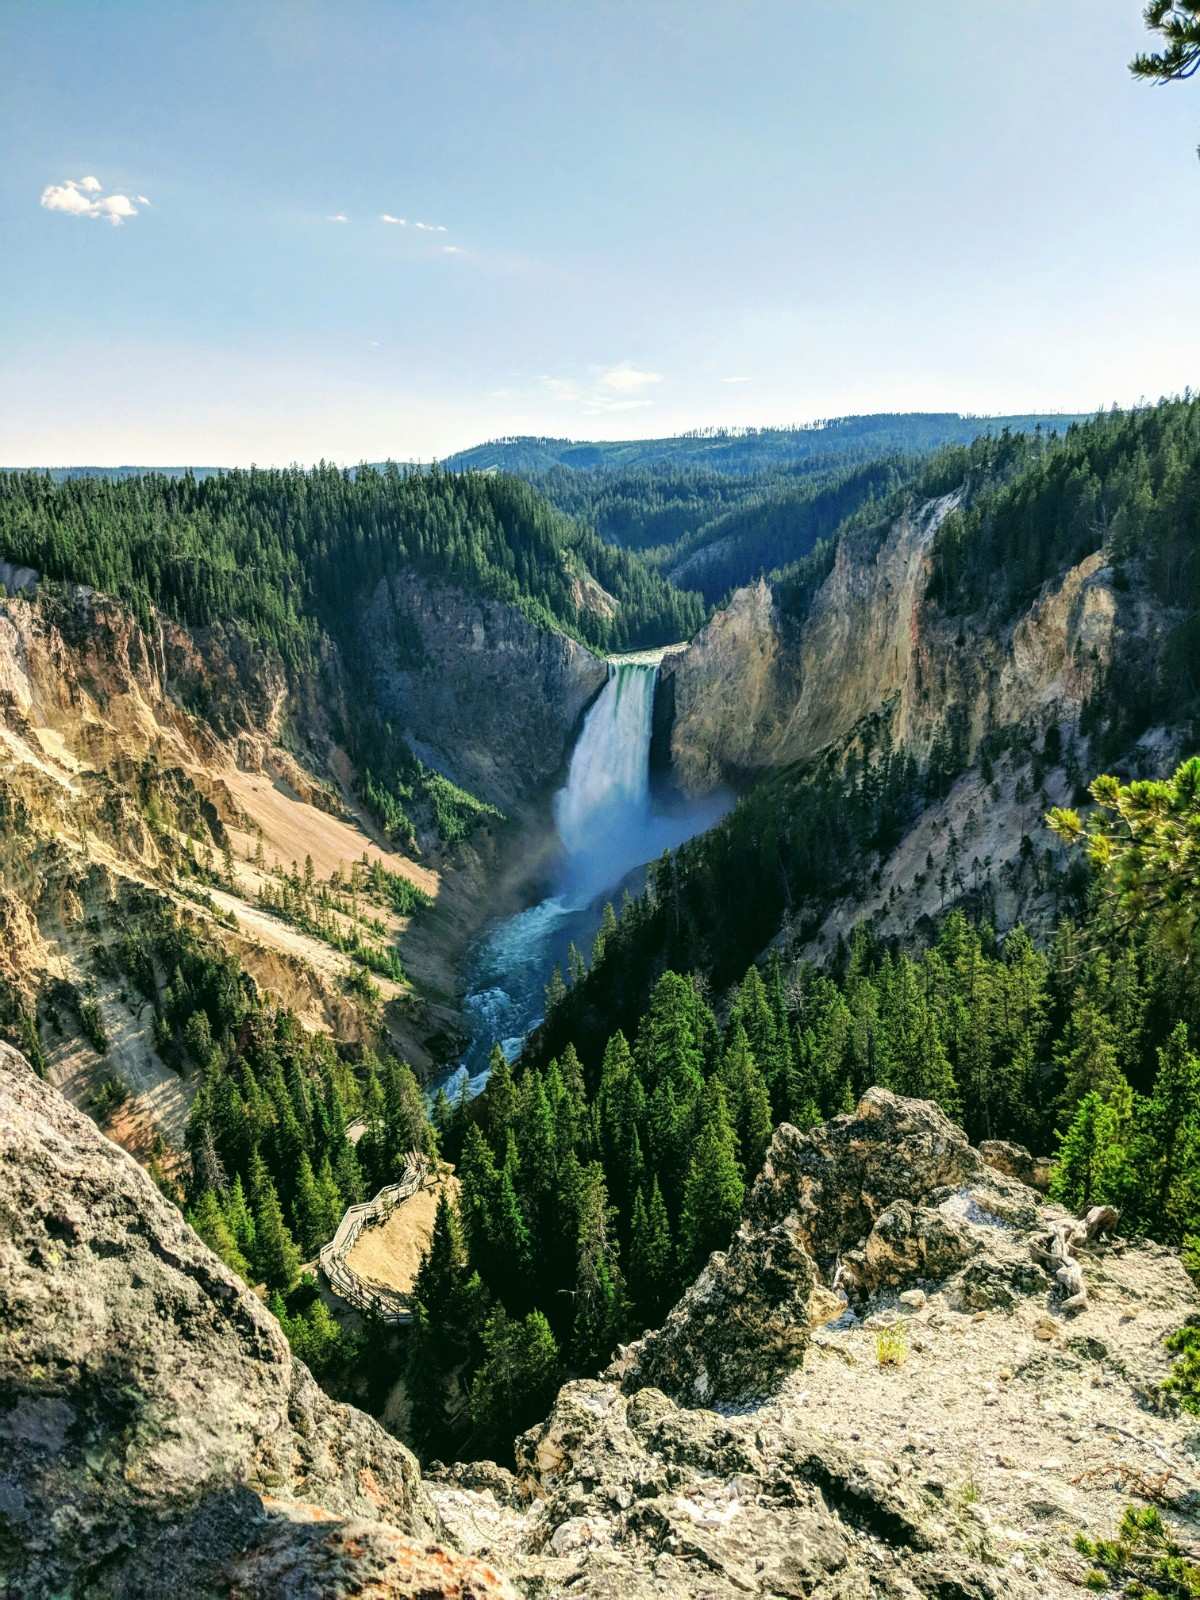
pixel 290 230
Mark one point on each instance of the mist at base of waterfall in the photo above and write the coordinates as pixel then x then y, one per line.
pixel 610 828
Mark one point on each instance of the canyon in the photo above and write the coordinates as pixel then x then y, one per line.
pixel 403 851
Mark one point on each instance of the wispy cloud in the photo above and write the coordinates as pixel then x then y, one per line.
pixel 453 250
pixel 735 380
pixel 338 216
pixel 625 378
pixel 614 388
pixel 84 197
pixel 421 227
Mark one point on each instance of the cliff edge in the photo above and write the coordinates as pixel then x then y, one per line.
pixel 880 1390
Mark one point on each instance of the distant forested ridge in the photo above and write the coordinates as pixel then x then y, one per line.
pixel 735 450
pixel 286 553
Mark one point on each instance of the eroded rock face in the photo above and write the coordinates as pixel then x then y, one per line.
pixel 480 691
pixel 153 1423
pixel 755 690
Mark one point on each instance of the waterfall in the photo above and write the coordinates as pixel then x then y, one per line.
pixel 608 826
pixel 603 809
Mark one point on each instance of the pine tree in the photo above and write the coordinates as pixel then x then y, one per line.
pixel 713 1189
pixel 348 1175
pixel 276 1258
pixel 210 1223
pixel 1167 1143
pixel 499 1098
pixel 556 992
pixel 668 1045
pixel 517 1379
pixel 748 1100
pixel 513 1251
pixel 651 1257
pixel 1091 1161
pixel 1086 1059
pixel 479 1180
pixel 331 1199
pixel 599 1287
pixel 239 1217
pixel 309 1209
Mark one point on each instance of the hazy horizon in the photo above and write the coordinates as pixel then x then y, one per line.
pixel 596 437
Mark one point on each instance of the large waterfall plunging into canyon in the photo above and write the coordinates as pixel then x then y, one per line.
pixel 608 826
pixel 603 809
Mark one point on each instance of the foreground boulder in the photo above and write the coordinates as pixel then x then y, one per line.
pixel 154 1427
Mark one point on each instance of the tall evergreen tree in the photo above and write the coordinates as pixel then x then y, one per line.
pixel 713 1189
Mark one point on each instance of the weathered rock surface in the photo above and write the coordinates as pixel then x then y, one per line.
pixel 153 1423
pixel 946 1436
pixel 1016 1162
pixel 756 691
pixel 482 693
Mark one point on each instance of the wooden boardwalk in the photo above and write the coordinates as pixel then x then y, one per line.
pixel 364 1293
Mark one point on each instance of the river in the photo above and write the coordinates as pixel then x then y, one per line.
pixel 609 827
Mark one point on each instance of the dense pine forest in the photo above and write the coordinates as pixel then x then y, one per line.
pixel 287 553
pixel 712 532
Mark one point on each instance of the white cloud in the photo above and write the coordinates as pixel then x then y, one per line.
pixel 627 379
pixel 77 197
pixel 610 389
pixel 452 250
pixel 430 227
pixel 116 207
pixel 396 222
pixel 735 380
pixel 338 216
pixel 66 197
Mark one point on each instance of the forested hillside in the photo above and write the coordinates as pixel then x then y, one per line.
pixel 747 450
pixel 286 553
pixel 711 531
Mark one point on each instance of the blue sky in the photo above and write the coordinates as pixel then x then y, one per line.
pixel 641 217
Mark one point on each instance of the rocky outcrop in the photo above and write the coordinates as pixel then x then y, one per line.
pixel 154 1426
pixel 944 1429
pixel 481 692
pixel 741 1325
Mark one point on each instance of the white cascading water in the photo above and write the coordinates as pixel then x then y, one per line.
pixel 608 826
pixel 603 810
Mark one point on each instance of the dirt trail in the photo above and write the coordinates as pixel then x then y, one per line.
pixel 391 1254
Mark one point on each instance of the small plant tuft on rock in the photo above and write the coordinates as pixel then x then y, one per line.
pixel 891 1347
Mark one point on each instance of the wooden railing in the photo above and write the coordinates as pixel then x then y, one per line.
pixel 365 1293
